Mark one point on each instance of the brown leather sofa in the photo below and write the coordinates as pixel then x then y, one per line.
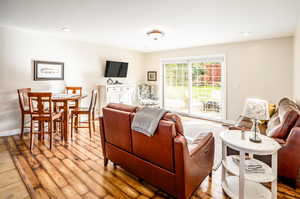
pixel 284 127
pixel 163 159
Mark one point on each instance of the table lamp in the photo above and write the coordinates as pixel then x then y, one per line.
pixel 256 109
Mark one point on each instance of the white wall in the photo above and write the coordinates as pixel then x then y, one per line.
pixel 297 65
pixel 262 69
pixel 84 66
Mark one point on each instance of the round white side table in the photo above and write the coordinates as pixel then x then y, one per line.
pixel 243 185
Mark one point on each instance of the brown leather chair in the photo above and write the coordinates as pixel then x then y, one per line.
pixel 163 159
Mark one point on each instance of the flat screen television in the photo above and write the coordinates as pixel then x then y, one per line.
pixel 116 69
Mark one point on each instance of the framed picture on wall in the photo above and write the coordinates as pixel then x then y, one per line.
pixel 46 70
pixel 152 76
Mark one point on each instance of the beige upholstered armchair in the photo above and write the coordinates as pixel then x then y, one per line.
pixel 147 96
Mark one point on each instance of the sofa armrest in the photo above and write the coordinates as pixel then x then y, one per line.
pixel 289 156
pixel 294 138
pixel 200 145
pixel 192 167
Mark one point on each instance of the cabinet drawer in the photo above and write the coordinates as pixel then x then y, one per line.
pixel 125 89
pixel 115 89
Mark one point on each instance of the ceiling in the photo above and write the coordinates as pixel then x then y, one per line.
pixel 124 23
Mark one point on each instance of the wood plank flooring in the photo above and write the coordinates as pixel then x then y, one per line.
pixel 11 185
pixel 76 171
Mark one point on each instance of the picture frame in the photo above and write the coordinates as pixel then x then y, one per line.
pixel 48 70
pixel 152 76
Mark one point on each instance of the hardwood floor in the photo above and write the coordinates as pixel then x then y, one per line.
pixel 11 185
pixel 76 171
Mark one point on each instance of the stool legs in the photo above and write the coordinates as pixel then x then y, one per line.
pixel 75 125
pixel 50 133
pixel 90 129
pixel 31 135
pixel 41 132
pixel 72 126
pixel 93 118
pixel 22 126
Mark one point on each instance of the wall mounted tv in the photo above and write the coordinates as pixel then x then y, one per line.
pixel 116 69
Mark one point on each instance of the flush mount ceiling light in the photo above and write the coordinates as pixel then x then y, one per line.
pixel 155 34
pixel 246 34
pixel 66 29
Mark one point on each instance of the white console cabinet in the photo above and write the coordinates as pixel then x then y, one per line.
pixel 117 93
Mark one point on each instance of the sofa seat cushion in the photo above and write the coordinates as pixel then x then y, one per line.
pixel 280 141
pixel 200 138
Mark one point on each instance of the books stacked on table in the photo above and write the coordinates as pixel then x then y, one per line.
pixel 251 166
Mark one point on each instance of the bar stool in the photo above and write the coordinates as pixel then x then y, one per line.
pixel 40 107
pixel 24 107
pixel 90 112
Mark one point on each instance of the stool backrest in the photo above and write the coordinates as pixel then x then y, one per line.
pixel 93 100
pixel 23 98
pixel 74 90
pixel 40 103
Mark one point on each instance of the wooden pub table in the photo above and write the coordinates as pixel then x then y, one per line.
pixel 65 99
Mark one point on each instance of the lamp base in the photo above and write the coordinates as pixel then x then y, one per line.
pixel 255 139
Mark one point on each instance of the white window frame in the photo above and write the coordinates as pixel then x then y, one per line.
pixel 189 60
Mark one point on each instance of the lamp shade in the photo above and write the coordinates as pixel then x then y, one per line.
pixel 256 109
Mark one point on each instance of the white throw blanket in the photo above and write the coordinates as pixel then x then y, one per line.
pixel 146 120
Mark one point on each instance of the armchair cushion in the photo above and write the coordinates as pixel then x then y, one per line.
pixel 201 138
pixel 280 141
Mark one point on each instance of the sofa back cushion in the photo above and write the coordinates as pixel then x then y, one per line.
pixel 117 126
pixel 157 149
pixel 284 120
pixel 177 120
pixel 286 105
pixel 122 107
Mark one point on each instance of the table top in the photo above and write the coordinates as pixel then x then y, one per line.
pixel 233 138
pixel 63 96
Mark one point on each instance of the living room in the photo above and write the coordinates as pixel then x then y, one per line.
pixel 205 71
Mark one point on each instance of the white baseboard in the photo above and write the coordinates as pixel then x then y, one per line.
pixel 18 130
pixel 10 132
pixel 232 122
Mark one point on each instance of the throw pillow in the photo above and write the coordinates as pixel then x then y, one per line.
pixel 273 124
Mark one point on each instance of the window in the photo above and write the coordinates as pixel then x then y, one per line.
pixel 195 86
